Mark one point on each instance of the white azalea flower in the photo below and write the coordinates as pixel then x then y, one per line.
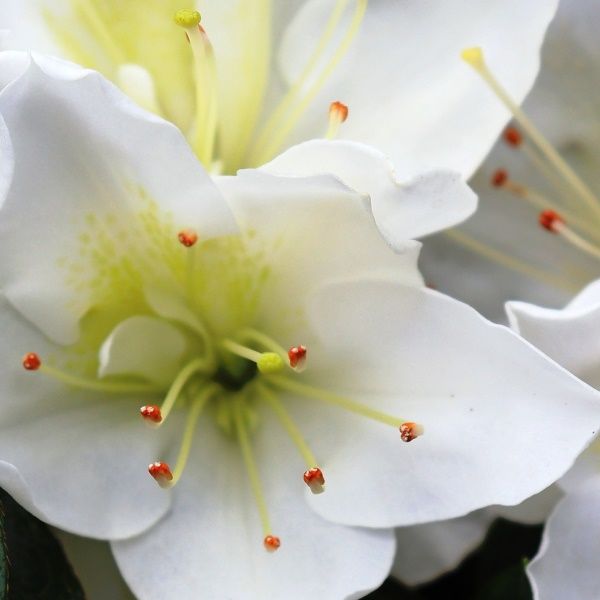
pixel 503 253
pixel 264 73
pixel 567 563
pixel 131 278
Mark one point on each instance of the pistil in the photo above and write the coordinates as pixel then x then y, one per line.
pixel 203 137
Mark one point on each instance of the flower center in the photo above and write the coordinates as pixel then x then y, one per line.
pixel 572 213
pixel 228 367
pixel 191 82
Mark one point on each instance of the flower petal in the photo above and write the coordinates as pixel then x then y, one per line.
pixel 311 229
pixel 404 71
pixel 567 563
pixel 145 346
pixel 214 515
pixel 534 510
pixel 424 552
pixel 569 336
pixel 484 397
pixel 77 460
pixel 66 126
pixel 427 204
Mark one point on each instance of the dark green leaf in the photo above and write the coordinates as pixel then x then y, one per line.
pixel 33 565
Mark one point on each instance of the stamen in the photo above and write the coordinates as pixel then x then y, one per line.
pixel 330 398
pixel 102 32
pixel 151 414
pixel 512 136
pixel 188 434
pixel 187 237
pixel 194 367
pixel 297 358
pixel 549 220
pixel 553 222
pixel 507 261
pixel 313 477
pixel 475 58
pixel 315 480
pixel 32 362
pixel 338 113
pixel 271 542
pixel 294 115
pixel 285 104
pixel 266 362
pixel 205 129
pixel 499 178
pixel 409 431
pixel 161 473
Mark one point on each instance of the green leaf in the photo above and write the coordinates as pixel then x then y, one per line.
pixel 33 565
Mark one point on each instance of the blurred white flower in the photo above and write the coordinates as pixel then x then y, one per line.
pixel 503 253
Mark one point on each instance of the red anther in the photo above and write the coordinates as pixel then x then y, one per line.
pixel 187 237
pixel 338 111
pixel 409 431
pixel 499 178
pixel 297 357
pixel 151 413
pixel 314 480
pixel 550 220
pixel 162 473
pixel 31 361
pixel 272 543
pixel 513 137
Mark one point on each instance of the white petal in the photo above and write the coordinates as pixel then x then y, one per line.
pixel 143 346
pixel 80 459
pixel 95 567
pixel 567 563
pixel 72 161
pixel 311 229
pixel 214 516
pixel 571 336
pixel 408 91
pixel 534 510
pixel 427 204
pixel 424 552
pixel 485 398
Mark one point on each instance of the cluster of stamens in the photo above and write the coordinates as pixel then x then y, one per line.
pixel 198 383
pixel 539 151
pixel 267 141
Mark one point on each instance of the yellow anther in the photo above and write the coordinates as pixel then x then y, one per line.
pixel 473 56
pixel 187 17
pixel 269 362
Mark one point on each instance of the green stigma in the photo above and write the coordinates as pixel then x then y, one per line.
pixel 187 17
pixel 269 363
